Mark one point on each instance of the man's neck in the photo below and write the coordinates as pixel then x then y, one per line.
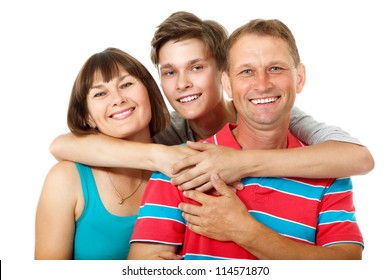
pixel 264 137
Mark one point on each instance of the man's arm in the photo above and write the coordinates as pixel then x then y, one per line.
pixel 223 218
pixel 102 150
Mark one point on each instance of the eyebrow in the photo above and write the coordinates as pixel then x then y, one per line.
pixel 192 61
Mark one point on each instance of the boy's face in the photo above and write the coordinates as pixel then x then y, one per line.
pixel 189 78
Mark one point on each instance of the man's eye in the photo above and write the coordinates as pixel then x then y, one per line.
pixel 247 71
pixel 275 68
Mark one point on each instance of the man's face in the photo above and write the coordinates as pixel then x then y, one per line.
pixel 263 80
pixel 189 78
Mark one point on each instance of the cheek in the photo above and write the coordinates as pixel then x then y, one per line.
pixel 147 107
pixel 168 88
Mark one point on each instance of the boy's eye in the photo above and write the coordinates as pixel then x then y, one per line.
pixel 168 73
pixel 197 67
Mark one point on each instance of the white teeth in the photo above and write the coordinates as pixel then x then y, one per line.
pixel 121 114
pixel 189 98
pixel 264 100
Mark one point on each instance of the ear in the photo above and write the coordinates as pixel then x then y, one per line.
pixel 226 84
pixel 301 80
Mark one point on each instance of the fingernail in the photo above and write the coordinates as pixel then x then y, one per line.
pixel 215 176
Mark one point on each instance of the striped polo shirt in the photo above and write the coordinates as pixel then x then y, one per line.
pixel 311 211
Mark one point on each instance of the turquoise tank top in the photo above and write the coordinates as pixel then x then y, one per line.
pixel 99 235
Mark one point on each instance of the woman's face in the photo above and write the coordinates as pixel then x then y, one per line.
pixel 120 108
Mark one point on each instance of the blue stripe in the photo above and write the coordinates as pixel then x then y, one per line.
pixel 333 216
pixel 286 227
pixel 161 212
pixel 340 185
pixel 159 176
pixel 202 257
pixel 287 186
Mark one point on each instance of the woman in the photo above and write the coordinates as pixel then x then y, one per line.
pixel 87 212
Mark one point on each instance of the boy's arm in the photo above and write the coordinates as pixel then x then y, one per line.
pixel 331 159
pixel 333 154
pixel 308 130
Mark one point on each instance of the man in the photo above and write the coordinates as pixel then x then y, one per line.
pixel 271 218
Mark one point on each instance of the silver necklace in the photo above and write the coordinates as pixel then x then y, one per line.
pixel 123 199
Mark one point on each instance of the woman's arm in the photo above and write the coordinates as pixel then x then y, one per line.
pixel 55 216
pixel 102 150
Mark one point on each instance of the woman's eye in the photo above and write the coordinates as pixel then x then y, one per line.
pixel 99 94
pixel 126 85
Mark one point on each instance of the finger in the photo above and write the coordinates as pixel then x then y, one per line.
pixel 220 186
pixel 201 147
pixel 205 187
pixel 199 197
pixel 190 208
pixel 191 176
pixel 195 228
pixel 191 219
pixel 196 182
pixel 187 162
pixel 238 185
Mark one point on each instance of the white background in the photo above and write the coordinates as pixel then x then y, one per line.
pixel 43 44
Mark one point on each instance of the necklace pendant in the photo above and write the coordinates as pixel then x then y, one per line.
pixel 121 202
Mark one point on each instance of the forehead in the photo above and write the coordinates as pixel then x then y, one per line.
pixel 184 50
pixel 253 46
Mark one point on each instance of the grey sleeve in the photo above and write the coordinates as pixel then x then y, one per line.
pixel 177 133
pixel 311 132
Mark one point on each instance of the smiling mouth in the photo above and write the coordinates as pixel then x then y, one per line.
pixel 122 114
pixel 267 100
pixel 189 98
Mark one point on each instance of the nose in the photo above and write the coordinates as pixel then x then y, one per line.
pixel 183 82
pixel 262 81
pixel 117 97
